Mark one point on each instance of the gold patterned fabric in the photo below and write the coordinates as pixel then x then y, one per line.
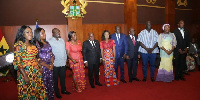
pixel 28 62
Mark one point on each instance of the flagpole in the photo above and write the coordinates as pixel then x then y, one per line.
pixel 37 26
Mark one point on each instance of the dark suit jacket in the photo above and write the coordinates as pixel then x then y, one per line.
pixel 90 53
pixel 192 49
pixel 132 49
pixel 181 43
pixel 122 47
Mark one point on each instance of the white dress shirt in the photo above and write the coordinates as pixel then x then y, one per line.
pixel 182 32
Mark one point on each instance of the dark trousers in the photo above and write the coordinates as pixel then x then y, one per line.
pixel 146 57
pixel 119 61
pixel 93 69
pixel 180 65
pixel 132 67
pixel 59 71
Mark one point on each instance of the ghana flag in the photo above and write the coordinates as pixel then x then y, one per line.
pixel 4 48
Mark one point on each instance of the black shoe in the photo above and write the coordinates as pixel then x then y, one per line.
pixel 92 86
pixel 99 84
pixel 152 79
pixel 176 78
pixel 192 70
pixel 123 81
pixel 136 79
pixel 186 73
pixel 58 96
pixel 144 80
pixel 182 78
pixel 65 92
pixel 130 80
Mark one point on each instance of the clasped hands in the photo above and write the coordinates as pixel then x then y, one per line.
pixel 182 52
pixel 167 51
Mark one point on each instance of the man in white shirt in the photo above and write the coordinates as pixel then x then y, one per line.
pixel 58 49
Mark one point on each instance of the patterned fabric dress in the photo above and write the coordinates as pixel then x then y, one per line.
pixel 36 89
pixel 45 54
pixel 109 70
pixel 165 71
pixel 78 68
pixel 190 62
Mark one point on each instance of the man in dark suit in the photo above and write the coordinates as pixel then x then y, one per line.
pixel 91 57
pixel 180 52
pixel 132 55
pixel 121 51
pixel 195 52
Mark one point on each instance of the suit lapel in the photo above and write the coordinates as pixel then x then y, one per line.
pixel 89 44
pixel 115 37
pixel 130 40
pixel 180 34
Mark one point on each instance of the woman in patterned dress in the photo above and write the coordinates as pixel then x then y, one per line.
pixel 190 62
pixel 46 60
pixel 167 42
pixel 108 53
pixel 74 53
pixel 29 76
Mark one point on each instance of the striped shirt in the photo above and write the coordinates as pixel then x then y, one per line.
pixel 58 49
pixel 149 39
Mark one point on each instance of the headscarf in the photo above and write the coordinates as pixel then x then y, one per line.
pixel 163 27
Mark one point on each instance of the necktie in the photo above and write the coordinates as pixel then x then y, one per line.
pixel 93 44
pixel 118 38
pixel 133 39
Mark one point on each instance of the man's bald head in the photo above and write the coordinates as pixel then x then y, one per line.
pixel 91 36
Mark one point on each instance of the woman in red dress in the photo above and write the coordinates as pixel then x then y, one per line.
pixel 74 48
pixel 108 53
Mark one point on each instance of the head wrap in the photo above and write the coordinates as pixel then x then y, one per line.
pixel 163 27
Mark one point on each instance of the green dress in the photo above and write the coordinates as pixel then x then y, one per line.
pixel 36 89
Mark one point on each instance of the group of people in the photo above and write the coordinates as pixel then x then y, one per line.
pixel 39 62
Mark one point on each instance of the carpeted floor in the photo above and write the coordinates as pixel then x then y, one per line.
pixel 177 90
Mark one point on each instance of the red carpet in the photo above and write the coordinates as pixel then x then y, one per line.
pixel 177 90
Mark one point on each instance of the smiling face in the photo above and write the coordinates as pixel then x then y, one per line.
pixel 28 34
pixel 42 35
pixel 56 33
pixel 167 29
pixel 74 37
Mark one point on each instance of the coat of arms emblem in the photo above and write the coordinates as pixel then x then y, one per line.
pixel 75 10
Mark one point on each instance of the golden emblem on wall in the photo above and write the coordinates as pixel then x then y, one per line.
pixel 179 3
pixel 74 10
pixel 151 1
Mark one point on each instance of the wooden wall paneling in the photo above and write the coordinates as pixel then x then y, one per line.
pixel 98 29
pixel 77 26
pixel 140 27
pixel 101 29
pixel 170 13
pixel 130 16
